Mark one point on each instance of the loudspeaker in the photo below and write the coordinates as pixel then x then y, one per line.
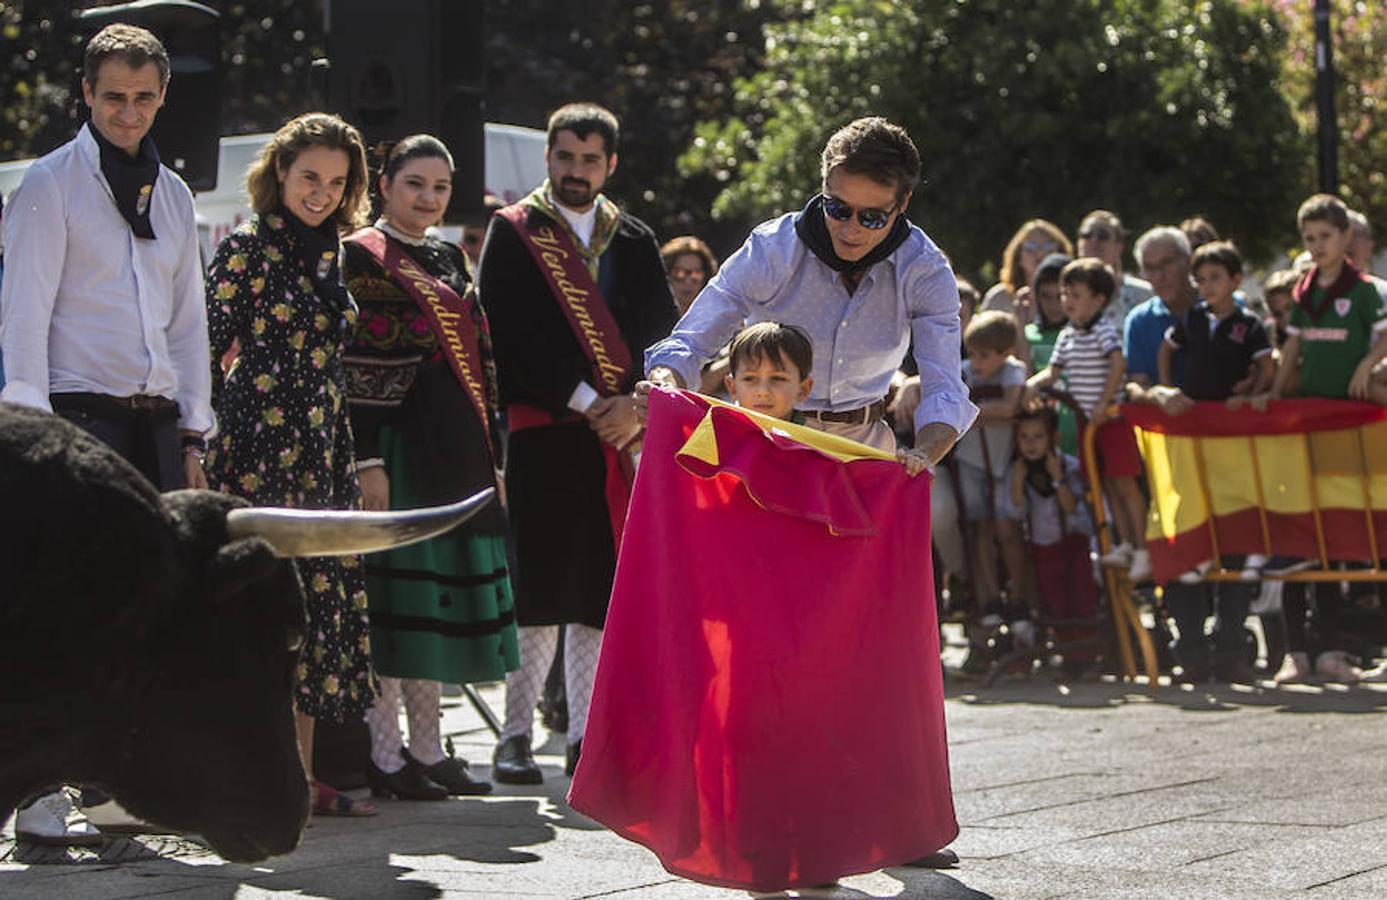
pixel 188 129
pixel 409 66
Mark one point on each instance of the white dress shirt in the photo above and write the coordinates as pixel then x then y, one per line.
pixel 86 306
pixel 583 224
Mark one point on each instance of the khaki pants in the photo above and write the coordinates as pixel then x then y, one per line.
pixel 874 434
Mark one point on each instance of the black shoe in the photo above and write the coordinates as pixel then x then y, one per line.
pixel 513 763
pixel 1235 673
pixel 452 774
pixel 940 859
pixel 409 783
pixel 1192 675
pixel 575 750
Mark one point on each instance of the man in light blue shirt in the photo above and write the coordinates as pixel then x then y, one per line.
pixel 861 280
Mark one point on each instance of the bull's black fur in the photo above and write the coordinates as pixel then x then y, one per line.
pixel 140 651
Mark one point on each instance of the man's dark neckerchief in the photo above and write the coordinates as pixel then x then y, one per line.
pixel 813 231
pixel 131 179
pixel 320 249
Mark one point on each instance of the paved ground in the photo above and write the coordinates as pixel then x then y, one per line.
pixel 1100 790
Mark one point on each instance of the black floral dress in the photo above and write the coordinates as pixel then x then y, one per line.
pixel 284 438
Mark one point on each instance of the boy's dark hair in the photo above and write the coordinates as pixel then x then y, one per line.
pixel 584 119
pixel 1323 208
pixel 991 330
pixel 1092 273
pixel 1049 269
pixel 877 149
pixel 772 341
pixel 967 294
pixel 1040 412
pixel 1282 282
pixel 130 44
pixel 1220 253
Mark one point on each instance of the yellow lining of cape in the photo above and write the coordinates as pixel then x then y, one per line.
pixel 702 444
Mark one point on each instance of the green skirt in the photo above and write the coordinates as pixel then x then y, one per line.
pixel 442 609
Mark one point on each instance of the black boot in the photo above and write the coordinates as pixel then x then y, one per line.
pixel 409 783
pixel 452 774
pixel 513 763
pixel 575 750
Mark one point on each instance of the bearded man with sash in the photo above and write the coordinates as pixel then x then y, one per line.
pixel 575 289
pixel 421 387
pixel 102 313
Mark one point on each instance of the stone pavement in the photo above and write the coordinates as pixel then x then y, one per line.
pixel 1094 790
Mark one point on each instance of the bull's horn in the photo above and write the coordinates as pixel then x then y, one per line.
pixel 311 532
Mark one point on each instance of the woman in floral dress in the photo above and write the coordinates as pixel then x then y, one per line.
pixel 278 313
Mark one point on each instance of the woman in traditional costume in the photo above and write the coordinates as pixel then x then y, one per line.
pixel 422 390
pixel 278 312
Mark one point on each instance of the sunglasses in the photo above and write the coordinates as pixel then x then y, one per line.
pixel 871 219
pixel 686 274
pixel 1035 246
pixel 1098 233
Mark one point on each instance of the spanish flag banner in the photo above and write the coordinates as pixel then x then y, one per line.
pixel 772 615
pixel 1307 478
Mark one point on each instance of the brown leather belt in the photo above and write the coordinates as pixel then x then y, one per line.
pixel 99 404
pixel 860 416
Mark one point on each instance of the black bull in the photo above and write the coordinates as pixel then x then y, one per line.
pixel 145 649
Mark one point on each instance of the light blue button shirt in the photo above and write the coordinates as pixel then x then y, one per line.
pixel 859 338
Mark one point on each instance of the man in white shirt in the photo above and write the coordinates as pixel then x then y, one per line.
pixel 102 312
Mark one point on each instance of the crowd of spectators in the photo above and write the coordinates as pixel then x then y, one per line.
pixel 1195 329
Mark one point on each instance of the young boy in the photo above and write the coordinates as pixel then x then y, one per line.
pixel 1045 487
pixel 1338 328
pixel 1089 354
pixel 995 380
pixel 769 366
pixel 1337 333
pixel 1222 341
pixel 1277 291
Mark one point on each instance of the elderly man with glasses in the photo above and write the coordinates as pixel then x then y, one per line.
pixel 861 280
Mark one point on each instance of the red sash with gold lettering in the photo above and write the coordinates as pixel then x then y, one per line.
pixel 449 316
pixel 578 296
pixel 586 310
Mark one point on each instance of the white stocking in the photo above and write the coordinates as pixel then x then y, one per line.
pixel 422 710
pixel 383 720
pixel 523 686
pixel 581 646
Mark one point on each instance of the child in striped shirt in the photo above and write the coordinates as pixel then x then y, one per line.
pixel 1088 355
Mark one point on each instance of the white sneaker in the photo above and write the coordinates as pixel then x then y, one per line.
pixel 1141 566
pixel 111 816
pixel 1375 675
pixel 1333 665
pixel 1196 575
pixel 1119 557
pixel 1252 567
pixel 50 820
pixel 1295 668
pixel 1268 599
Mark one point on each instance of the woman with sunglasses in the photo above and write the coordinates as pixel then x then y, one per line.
pixel 689 263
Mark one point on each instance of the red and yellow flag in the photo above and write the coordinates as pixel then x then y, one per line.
pixel 1306 478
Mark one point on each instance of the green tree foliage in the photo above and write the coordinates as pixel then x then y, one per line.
pixel 267 52
pixel 1155 108
pixel 660 66
pixel 1360 46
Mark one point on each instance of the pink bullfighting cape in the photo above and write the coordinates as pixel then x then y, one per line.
pixel 768 710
